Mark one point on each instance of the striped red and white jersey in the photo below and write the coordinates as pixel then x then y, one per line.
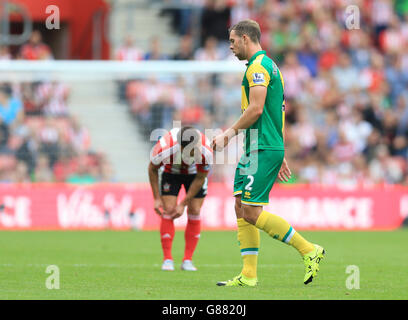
pixel 167 153
pixel 53 97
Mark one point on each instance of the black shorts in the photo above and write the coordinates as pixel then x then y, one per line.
pixel 170 184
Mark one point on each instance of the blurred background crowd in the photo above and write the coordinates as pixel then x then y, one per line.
pixel 346 93
pixel 40 141
pixel 346 89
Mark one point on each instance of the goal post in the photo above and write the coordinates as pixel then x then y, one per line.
pixel 23 71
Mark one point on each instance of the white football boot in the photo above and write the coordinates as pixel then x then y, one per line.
pixel 168 265
pixel 187 265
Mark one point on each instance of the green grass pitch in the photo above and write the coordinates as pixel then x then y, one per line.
pixel 126 265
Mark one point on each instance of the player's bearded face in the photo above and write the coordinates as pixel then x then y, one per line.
pixel 240 49
pixel 237 46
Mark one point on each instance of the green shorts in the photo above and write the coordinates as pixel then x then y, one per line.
pixel 256 174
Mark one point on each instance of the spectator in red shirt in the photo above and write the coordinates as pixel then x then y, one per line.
pixel 35 49
pixel 128 51
pixel 373 77
pixel 329 58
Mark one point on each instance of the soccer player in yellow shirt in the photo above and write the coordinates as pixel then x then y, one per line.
pixel 262 118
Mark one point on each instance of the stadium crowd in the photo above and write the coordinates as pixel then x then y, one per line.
pixel 346 93
pixel 346 89
pixel 40 141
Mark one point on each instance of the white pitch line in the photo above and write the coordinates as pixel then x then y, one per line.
pixel 84 265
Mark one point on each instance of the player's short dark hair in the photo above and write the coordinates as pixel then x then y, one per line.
pixel 187 135
pixel 248 27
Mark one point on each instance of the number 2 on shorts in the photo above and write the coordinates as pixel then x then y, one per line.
pixel 249 184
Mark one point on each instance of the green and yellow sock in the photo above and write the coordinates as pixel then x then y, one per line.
pixel 278 228
pixel 249 240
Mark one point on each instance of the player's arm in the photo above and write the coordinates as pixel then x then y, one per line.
pixel 154 184
pixel 156 160
pixel 257 96
pixel 195 187
pixel 284 172
pixel 258 79
pixel 154 179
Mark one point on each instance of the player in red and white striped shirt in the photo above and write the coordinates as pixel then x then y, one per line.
pixel 185 156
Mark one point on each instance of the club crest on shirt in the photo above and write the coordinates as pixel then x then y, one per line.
pixel 258 78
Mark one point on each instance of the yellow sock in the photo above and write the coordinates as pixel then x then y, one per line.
pixel 278 228
pixel 301 244
pixel 248 239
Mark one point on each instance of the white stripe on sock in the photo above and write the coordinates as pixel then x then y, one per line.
pixel 249 252
pixel 290 235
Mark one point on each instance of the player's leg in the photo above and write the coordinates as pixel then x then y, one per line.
pixel 169 189
pixel 256 195
pixel 257 186
pixel 193 227
pixel 248 239
pixel 167 232
pixel 279 229
pixel 247 234
pixel 192 232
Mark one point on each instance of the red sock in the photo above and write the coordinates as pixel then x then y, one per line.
pixel 191 236
pixel 166 237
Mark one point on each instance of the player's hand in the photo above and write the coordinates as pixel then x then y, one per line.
pixel 178 211
pixel 284 172
pixel 221 141
pixel 158 206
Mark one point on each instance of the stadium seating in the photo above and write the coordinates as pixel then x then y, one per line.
pixel 346 89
